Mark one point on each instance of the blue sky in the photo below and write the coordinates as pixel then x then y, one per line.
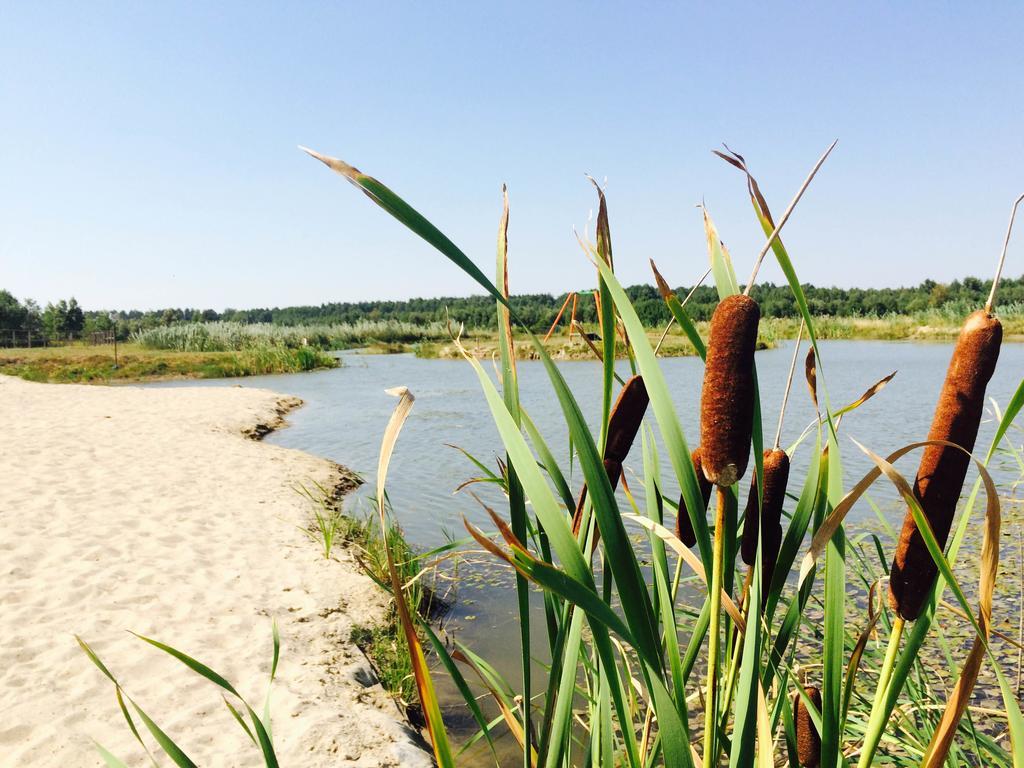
pixel 147 151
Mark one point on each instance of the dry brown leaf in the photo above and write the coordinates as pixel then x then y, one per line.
pixel 663 287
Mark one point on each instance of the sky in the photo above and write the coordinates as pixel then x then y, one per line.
pixel 148 150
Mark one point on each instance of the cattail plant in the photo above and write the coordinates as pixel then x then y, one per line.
pixel 684 525
pixel 943 469
pixel 726 429
pixel 808 740
pixel 619 685
pixel 941 474
pixel 940 478
pixel 726 425
pixel 765 513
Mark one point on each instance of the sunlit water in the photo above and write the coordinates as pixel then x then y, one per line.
pixel 347 408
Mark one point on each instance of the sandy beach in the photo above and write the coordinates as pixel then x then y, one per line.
pixel 153 510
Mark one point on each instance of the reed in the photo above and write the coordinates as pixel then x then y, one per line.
pixel 232 336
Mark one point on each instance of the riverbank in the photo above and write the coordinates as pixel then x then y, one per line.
pixel 149 510
pixel 929 328
pixel 79 363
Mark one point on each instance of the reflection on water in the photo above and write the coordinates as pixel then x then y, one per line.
pixel 346 411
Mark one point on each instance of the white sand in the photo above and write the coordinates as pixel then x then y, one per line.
pixel 147 509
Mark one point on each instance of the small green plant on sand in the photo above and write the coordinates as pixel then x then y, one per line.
pixel 328 519
pixel 256 727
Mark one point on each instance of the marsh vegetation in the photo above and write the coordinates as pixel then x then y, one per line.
pixel 787 664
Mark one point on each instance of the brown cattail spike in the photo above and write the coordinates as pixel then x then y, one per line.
pixel 684 526
pixel 623 423
pixel 727 400
pixel 776 476
pixel 940 477
pixel 625 419
pixel 808 740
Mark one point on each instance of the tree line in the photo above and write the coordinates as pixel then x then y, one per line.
pixel 66 318
pixel 63 319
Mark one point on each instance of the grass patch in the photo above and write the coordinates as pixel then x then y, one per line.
pixel 232 336
pixel 382 642
pixel 95 364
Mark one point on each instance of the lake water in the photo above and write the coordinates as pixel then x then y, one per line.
pixel 346 411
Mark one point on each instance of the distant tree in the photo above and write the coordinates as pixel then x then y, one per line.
pixel 55 319
pixel 12 313
pixel 939 295
pixel 74 318
pixel 33 317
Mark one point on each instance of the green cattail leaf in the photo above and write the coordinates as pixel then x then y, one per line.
pixel 192 664
pixel 410 217
pixel 95 659
pixel 679 313
pixel 833 663
pixel 745 722
pixel 263 736
pixel 684 321
pixel 166 743
pixel 664 413
pixel 477 463
pixel 547 459
pixel 652 493
pixel 537 490
pixel 1012 409
pixel 620 557
pixel 517 502
pixel 607 313
pixel 460 682
pixel 558 718
pixel 239 719
pixel 550 578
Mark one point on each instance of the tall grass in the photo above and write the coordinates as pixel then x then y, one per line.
pixel 230 336
pixel 630 651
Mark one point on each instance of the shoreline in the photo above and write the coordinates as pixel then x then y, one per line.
pixel 162 511
pixel 94 364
